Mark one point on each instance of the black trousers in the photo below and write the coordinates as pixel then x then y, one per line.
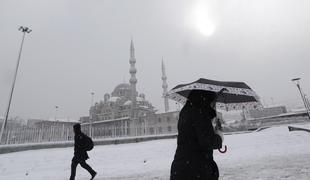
pixel 83 163
pixel 193 170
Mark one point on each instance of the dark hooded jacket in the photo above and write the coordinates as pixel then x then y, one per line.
pixel 80 154
pixel 196 140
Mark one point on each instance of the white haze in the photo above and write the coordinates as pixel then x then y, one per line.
pixel 78 47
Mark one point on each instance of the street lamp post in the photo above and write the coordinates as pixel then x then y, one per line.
pixel 54 124
pixel 307 102
pixel 296 80
pixel 56 111
pixel 90 115
pixel 24 30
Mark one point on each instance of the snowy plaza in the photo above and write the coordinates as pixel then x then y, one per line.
pixel 123 84
pixel 270 154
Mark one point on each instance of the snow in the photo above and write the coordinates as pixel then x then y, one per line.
pixel 127 103
pixel 164 112
pixel 114 99
pixel 140 99
pixel 271 154
pixel 61 120
pixel 299 110
pixel 111 120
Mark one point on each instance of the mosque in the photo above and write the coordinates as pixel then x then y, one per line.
pixel 126 112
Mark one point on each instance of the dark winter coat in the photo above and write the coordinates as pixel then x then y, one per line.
pixel 80 154
pixel 196 140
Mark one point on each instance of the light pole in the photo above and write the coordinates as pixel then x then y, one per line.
pixel 307 102
pixel 56 110
pixel 90 114
pixel 54 125
pixel 24 30
pixel 296 80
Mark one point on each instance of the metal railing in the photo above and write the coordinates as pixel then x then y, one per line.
pixel 25 135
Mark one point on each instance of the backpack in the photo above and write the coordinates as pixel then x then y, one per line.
pixel 88 143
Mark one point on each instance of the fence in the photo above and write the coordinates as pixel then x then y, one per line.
pixel 25 134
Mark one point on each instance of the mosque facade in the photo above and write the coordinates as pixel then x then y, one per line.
pixel 126 112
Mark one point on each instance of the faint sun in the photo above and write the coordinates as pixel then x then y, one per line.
pixel 201 20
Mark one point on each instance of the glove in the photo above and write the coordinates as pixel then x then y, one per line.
pixel 220 133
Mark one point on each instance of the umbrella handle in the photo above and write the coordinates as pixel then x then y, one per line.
pixel 223 151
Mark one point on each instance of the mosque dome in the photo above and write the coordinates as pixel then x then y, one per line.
pixel 122 90
pixel 122 86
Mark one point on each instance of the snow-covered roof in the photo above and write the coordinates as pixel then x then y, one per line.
pixel 114 99
pixel 61 120
pixel 140 99
pixel 122 86
pixel 146 107
pixel 109 120
pixel 127 103
pixel 299 110
pixel 163 112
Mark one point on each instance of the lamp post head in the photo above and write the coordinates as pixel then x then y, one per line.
pixel 296 81
pixel 24 29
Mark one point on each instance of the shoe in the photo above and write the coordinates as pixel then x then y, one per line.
pixel 93 176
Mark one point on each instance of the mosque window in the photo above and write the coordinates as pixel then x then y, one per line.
pixel 168 119
pixel 159 120
pixel 121 93
pixel 169 128
pixel 160 130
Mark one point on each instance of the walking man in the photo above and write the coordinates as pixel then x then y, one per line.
pixel 80 154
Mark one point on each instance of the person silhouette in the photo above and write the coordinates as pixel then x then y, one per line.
pixel 196 139
pixel 80 154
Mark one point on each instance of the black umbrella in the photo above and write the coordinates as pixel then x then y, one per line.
pixel 228 95
pixel 234 95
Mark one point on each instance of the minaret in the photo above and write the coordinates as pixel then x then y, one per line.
pixel 165 85
pixel 133 80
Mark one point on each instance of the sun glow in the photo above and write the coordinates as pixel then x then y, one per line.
pixel 201 19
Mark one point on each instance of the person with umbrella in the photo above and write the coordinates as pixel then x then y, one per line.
pixel 196 140
pixel 196 136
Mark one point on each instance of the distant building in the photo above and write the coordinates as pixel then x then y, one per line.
pixel 118 105
pixel 51 129
pixel 163 123
pixel 44 123
pixel 12 122
pixel 118 115
pixel 84 119
pixel 125 112
pixel 265 112
pixel 33 122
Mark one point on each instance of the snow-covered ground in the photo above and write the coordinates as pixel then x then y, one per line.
pixel 270 154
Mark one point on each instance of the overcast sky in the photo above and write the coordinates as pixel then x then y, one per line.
pixel 82 46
